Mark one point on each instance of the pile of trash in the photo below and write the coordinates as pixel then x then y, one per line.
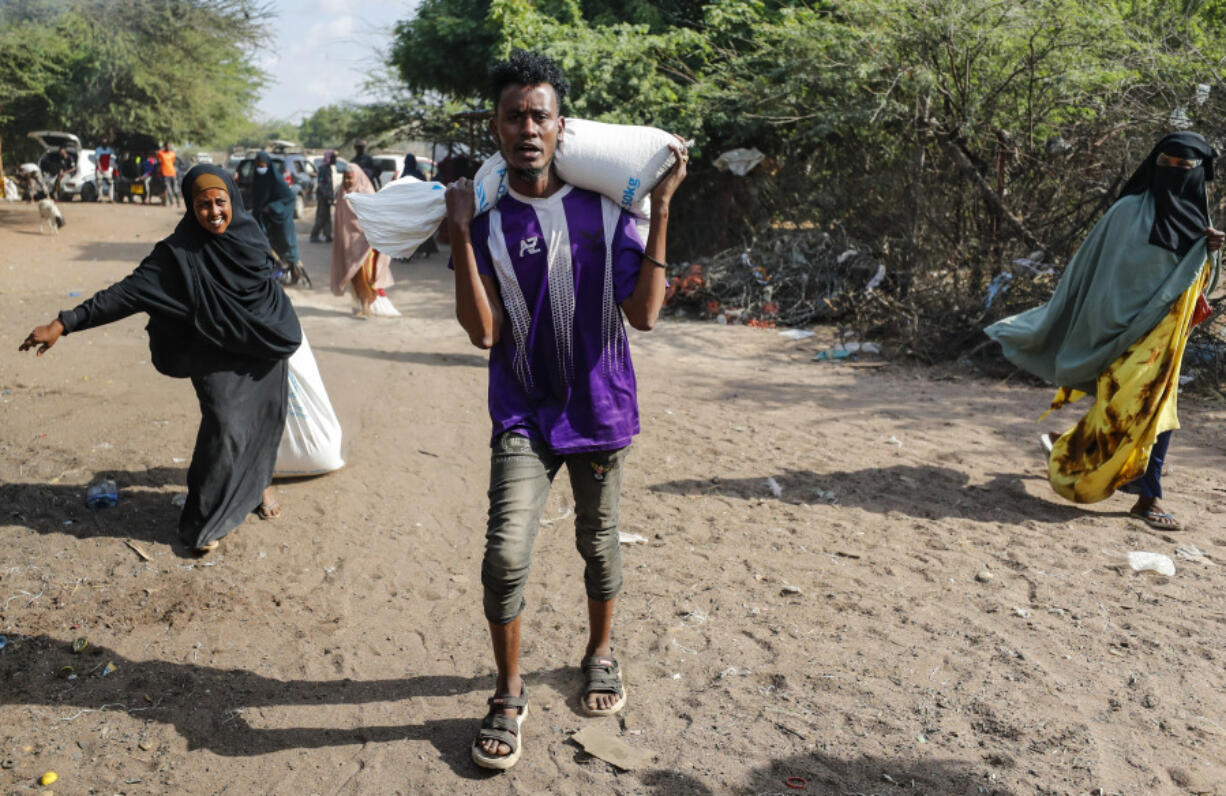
pixel 788 278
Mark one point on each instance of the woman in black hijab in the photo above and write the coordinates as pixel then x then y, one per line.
pixel 218 317
pixel 272 204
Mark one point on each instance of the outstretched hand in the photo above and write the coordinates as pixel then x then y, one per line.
pixel 43 337
pixel 1214 238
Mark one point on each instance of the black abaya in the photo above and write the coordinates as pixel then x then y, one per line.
pixel 217 316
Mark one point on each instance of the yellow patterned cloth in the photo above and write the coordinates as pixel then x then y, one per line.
pixel 1135 402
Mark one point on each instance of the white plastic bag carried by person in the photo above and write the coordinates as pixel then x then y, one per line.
pixel 311 444
pixel 623 162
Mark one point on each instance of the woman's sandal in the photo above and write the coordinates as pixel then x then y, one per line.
pixel 207 547
pixel 1162 521
pixel 602 675
pixel 503 729
pixel 269 511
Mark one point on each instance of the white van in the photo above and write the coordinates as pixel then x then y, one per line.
pixel 82 179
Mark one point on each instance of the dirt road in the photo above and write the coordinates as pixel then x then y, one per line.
pixel 913 612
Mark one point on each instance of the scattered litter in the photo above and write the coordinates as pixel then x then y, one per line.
pixel 695 617
pixel 79 645
pixel 848 351
pixel 796 334
pixel 179 499
pixel 1141 561
pixel 103 446
pixel 8 763
pixel 135 548
pixel 102 494
pixel 894 441
pixel 73 293
pixel 1190 552
pixel 827 495
pixel 177 459
pixel 67 522
pixel 796 783
pixel 742 161
pixel 676 675
pixel 877 279
pixel 684 649
pixel 789 589
pixel 48 778
pixel 774 487
pixel 4 642
pixel 565 513
pixel 732 671
pixel 610 749
pixel 66 673
pixel 1024 613
pixel 999 284
pixel 983 576
pixel 109 669
pixel 1186 378
pixel 630 538
pixel 921 739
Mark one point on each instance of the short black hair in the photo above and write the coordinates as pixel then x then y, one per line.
pixel 527 68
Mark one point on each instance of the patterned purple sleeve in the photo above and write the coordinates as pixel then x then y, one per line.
pixel 627 257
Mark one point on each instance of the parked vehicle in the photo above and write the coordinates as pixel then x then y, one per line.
pixel 80 180
pixel 297 171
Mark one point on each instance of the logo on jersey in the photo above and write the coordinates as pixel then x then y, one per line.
pixel 530 245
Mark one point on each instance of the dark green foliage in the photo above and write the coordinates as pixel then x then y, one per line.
pixel 175 69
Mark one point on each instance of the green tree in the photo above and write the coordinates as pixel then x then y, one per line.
pixel 174 69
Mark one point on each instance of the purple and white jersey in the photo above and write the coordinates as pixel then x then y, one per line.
pixel 561 369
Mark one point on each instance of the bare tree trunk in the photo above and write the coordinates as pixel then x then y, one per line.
pixel 994 202
pixel 910 259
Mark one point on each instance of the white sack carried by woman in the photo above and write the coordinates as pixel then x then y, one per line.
pixel 623 162
pixel 311 443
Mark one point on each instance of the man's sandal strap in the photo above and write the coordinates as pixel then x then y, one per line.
pixel 506 702
pixel 601 675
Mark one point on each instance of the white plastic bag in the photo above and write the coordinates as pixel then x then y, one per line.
pixel 623 162
pixel 400 217
pixel 311 444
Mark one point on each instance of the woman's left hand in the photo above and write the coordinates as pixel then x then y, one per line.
pixel 1214 238
pixel 44 337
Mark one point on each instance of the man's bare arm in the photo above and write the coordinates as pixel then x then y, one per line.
pixel 478 305
pixel 642 307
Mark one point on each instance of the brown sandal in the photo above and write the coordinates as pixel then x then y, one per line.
pixel 602 675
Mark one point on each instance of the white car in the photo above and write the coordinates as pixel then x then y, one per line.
pixel 81 180
pixel 391 166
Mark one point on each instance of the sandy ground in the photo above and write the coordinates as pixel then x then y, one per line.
pixel 915 612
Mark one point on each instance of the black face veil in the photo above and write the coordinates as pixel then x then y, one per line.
pixel 1181 209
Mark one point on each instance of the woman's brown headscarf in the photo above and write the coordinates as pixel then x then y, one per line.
pixel 349 245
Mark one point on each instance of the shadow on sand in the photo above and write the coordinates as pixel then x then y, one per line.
pixel 206 705
pixel 927 492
